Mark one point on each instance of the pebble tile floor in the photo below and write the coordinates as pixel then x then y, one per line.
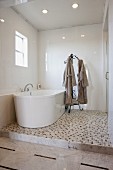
pixel 89 127
pixel 16 155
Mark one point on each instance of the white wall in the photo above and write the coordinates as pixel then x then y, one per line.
pixel 105 53
pixel 105 66
pixel 13 77
pixel 53 51
pixel 110 34
pixel 7 110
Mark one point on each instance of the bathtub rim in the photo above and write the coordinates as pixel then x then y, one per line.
pixel 20 94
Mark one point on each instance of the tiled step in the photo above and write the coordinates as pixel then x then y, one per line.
pixel 58 143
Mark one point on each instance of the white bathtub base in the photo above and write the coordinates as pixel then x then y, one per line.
pixel 35 111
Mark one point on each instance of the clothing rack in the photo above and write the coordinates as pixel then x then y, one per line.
pixel 68 107
pixel 72 56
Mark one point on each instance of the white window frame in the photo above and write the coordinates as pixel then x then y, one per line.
pixel 23 51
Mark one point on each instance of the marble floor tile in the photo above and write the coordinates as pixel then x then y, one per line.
pixel 91 158
pixel 106 161
pixel 82 167
pixel 68 159
pixel 96 159
pixel 4 154
pixel 16 160
pixel 5 142
pixel 40 164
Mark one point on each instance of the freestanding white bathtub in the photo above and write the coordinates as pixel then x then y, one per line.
pixel 39 108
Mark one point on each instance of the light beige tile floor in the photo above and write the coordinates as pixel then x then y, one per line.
pixel 87 168
pixel 23 157
pixel 85 127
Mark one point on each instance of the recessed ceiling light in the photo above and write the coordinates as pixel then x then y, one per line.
pixel 2 20
pixel 82 35
pixel 63 37
pixel 75 6
pixel 44 11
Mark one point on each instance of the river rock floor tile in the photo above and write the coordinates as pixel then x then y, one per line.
pixel 87 127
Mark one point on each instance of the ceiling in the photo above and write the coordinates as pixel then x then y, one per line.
pixel 61 14
pixel 8 3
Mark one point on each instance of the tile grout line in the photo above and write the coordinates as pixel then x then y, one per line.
pixel 94 166
pixel 47 157
pixel 5 167
pixel 7 148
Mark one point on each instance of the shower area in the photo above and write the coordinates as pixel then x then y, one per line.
pixel 78 128
pixel 86 128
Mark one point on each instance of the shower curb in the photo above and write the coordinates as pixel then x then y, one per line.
pixel 58 143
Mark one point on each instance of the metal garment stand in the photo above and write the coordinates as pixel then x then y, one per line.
pixel 68 107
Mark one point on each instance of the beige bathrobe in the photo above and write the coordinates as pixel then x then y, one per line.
pixel 69 80
pixel 82 83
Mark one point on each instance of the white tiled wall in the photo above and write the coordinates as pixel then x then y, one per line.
pixel 53 51
pixel 110 108
pixel 13 77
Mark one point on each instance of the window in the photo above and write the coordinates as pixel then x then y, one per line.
pixel 21 54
